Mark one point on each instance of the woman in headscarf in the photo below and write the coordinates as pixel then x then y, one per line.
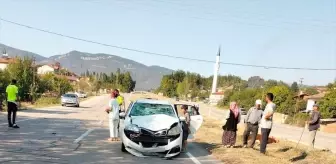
pixel 113 112
pixel 230 127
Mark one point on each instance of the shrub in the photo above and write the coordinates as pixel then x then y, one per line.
pixel 47 101
pixel 298 119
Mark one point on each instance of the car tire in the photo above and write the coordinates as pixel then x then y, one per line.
pixel 123 149
pixel 77 106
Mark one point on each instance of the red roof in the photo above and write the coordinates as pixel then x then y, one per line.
pixel 6 60
pixel 218 93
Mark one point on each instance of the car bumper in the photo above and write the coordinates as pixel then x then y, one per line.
pixel 173 148
pixel 70 104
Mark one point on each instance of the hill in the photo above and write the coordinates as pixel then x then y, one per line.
pixel 146 77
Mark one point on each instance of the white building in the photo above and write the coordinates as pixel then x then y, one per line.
pixel 45 69
pixel 4 61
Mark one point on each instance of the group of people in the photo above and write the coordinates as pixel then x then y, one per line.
pixel 115 106
pixel 255 118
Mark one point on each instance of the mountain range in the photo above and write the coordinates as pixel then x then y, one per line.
pixel 146 77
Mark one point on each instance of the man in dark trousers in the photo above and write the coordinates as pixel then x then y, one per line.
pixel 252 121
pixel 266 122
pixel 12 103
pixel 314 125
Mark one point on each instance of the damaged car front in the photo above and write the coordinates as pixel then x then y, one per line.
pixel 151 127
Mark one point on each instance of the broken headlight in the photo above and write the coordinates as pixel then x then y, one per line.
pixel 133 128
pixel 176 130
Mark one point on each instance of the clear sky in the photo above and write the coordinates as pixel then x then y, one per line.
pixel 300 33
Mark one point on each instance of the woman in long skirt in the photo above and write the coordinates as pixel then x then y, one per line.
pixel 230 128
pixel 113 112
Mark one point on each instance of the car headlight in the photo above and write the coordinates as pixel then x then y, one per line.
pixel 133 128
pixel 174 131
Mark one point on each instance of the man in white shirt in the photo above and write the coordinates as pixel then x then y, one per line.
pixel 266 122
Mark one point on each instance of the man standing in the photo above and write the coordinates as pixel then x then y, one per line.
pixel 313 125
pixel 12 104
pixel 266 122
pixel 252 121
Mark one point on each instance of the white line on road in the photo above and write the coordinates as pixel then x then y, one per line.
pixel 83 135
pixel 21 120
pixel 193 158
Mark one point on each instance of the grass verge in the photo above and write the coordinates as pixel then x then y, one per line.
pixel 210 134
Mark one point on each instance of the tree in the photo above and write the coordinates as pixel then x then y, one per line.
pixel 295 87
pixel 328 104
pixel 281 94
pixel 21 70
pixel 127 83
pixel 255 82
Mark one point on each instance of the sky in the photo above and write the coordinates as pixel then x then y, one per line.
pixel 285 33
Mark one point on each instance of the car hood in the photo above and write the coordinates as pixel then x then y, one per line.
pixel 154 122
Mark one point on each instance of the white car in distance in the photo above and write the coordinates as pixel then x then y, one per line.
pixel 152 127
pixel 81 94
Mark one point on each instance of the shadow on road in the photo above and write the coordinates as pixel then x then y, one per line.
pixel 47 111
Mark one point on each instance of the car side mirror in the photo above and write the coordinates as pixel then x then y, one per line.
pixel 122 115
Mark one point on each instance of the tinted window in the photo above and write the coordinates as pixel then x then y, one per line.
pixel 70 95
pixel 145 109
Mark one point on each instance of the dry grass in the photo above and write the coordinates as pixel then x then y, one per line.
pixel 209 136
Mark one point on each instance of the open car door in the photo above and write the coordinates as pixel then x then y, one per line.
pixel 196 119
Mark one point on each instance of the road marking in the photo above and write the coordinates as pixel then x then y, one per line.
pixel 83 135
pixel 193 158
pixel 21 120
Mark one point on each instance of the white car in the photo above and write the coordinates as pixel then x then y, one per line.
pixel 81 94
pixel 152 127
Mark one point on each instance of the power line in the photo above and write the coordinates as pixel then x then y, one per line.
pixel 163 55
pixel 236 20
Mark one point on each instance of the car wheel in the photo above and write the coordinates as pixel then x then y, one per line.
pixel 77 105
pixel 123 149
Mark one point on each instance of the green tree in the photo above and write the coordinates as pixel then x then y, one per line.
pixel 22 71
pixel 295 87
pixel 281 94
pixel 328 104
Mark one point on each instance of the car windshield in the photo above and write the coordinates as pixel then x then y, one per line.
pixel 146 109
pixel 70 95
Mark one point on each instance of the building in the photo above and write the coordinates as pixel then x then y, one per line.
pixel 215 98
pixel 48 68
pixel 313 99
pixel 45 69
pixel 61 73
pixel 5 60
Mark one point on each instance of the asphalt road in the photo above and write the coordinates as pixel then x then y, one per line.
pixel 66 135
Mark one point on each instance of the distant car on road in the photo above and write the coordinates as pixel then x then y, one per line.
pixel 81 94
pixel 70 99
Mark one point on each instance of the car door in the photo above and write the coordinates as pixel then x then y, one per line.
pixel 122 120
pixel 196 120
